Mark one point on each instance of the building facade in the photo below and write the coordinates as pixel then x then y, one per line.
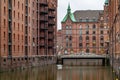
pixel 27 31
pixel 59 42
pixel 84 31
pixel 114 33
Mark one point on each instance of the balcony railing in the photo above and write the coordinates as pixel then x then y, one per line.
pixel 51 15
pixel 50 37
pixel 51 22
pixel 44 10
pixel 44 2
pixel 44 18
pixel 50 30
pixel 52 9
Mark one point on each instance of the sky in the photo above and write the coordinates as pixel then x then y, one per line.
pixel 77 5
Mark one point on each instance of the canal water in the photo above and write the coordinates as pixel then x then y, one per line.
pixel 67 73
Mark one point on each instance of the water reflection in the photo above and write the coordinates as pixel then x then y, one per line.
pixel 84 73
pixel 67 73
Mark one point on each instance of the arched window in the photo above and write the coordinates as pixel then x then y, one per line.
pixel 80 38
pixel 102 38
pixel 87 26
pixel 87 37
pixel 87 50
pixel 94 38
pixel 80 26
pixel 66 27
pixel 18 4
pixel 70 38
pixel 94 26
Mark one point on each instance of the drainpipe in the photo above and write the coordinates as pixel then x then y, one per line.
pixel 0 36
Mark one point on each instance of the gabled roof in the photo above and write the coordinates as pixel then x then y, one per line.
pixel 69 15
pixel 91 15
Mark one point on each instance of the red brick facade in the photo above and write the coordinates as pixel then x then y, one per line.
pixel 27 30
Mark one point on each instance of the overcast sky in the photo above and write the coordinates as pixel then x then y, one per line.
pixel 77 5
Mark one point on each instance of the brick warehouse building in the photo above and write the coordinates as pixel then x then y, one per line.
pixel 85 31
pixel 27 32
pixel 114 33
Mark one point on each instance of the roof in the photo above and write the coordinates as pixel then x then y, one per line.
pixel 106 2
pixel 87 15
pixel 69 15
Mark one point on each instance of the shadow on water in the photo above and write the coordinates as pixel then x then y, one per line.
pixel 67 73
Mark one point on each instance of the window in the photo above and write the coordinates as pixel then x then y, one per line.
pixel 22 37
pixel 80 38
pixel 80 45
pixel 101 44
pixel 22 6
pixel 22 48
pixel 14 36
pixel 18 26
pixel 14 25
pixel 87 32
pixel 80 20
pixel 101 27
pixel 18 15
pixel 66 27
pixel 18 48
pixel 80 32
pixel 4 23
pixel 70 38
pixel 14 48
pixel 67 45
pixel 18 37
pixel 22 17
pixel 87 26
pixel 101 32
pixel 94 32
pixel 14 2
pixel 70 45
pixel 4 47
pixel 68 32
pixel 94 44
pixel 14 14
pixel 70 27
pixel 33 4
pixel 4 10
pixel 67 39
pixel 87 20
pixel 87 50
pixel 80 26
pixel 22 27
pixel 94 26
pixel 102 38
pixel 87 44
pixel 87 37
pixel 18 4
pixel 94 38
pixel 4 35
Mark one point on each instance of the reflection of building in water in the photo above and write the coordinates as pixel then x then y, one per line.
pixel 59 75
pixel 85 73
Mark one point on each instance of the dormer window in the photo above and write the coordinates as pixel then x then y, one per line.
pixel 87 20
pixel 80 20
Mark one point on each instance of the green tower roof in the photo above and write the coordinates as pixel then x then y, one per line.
pixel 106 2
pixel 69 14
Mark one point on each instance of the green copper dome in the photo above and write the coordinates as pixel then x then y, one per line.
pixel 69 14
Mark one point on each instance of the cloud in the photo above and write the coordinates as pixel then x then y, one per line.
pixel 77 5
